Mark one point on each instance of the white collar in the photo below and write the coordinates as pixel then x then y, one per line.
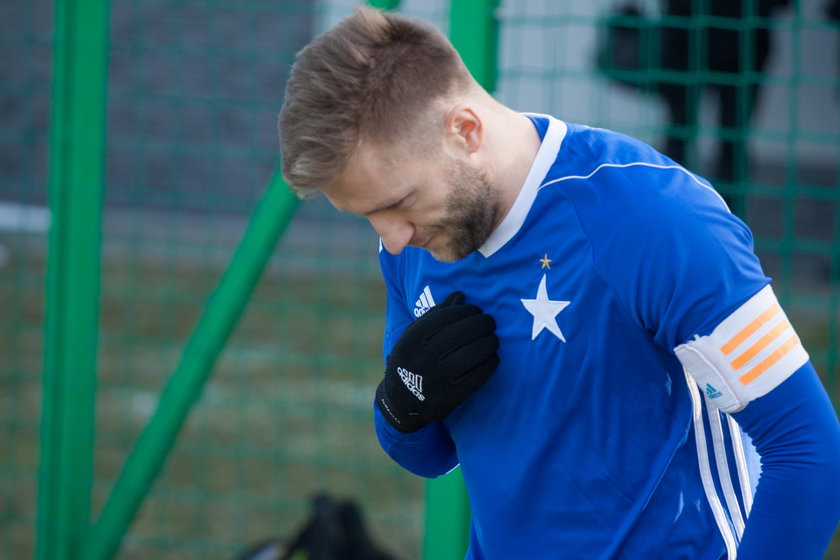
pixel 543 161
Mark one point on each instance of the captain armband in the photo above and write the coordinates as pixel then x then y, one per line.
pixel 749 353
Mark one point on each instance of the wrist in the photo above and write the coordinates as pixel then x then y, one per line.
pixel 391 415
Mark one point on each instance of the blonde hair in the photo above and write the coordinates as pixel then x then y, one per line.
pixel 373 77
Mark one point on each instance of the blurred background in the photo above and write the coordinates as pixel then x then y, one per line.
pixel 193 91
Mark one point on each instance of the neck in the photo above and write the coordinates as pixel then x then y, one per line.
pixel 515 144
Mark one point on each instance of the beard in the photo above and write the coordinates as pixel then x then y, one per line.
pixel 472 211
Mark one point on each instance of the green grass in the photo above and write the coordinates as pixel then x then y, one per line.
pixel 285 414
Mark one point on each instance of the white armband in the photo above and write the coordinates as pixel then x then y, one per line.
pixel 748 354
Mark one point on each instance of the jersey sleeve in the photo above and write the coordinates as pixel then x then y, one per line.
pixel 683 268
pixel 677 260
pixel 430 451
pixel 797 503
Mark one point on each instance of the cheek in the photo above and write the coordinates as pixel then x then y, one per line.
pixel 427 212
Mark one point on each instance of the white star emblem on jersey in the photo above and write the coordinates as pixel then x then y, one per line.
pixel 545 312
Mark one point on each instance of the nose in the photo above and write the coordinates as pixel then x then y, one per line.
pixel 395 232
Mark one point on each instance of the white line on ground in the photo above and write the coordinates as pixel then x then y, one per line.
pixel 24 218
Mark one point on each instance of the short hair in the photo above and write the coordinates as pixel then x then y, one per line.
pixel 373 77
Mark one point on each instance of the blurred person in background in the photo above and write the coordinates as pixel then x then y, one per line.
pixel 832 12
pixel 736 43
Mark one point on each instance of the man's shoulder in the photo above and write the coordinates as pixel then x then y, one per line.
pixel 618 170
pixel 586 145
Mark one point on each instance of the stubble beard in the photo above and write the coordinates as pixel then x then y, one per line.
pixel 472 213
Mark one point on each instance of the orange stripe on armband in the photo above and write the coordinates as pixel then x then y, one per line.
pixel 770 360
pixel 760 345
pixel 756 324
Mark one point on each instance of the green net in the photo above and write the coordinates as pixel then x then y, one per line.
pixel 765 131
pixel 193 98
pixel 193 93
pixel 25 55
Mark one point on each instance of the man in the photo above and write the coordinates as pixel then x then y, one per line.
pixel 738 51
pixel 605 351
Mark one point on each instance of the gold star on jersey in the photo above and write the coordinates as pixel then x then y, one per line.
pixel 546 262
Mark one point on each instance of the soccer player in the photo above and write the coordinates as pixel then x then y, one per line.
pixel 575 319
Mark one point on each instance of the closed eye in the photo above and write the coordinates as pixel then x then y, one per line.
pixel 406 201
pixel 402 203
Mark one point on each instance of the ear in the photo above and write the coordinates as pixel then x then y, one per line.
pixel 464 129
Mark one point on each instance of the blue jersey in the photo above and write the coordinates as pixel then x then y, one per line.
pixel 589 441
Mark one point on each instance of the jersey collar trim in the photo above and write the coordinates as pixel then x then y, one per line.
pixel 545 158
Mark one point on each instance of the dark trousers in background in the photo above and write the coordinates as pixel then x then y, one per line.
pixel 726 60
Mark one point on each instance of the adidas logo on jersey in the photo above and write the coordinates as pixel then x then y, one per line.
pixel 711 392
pixel 413 382
pixel 424 302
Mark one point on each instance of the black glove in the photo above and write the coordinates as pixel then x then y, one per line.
pixel 441 359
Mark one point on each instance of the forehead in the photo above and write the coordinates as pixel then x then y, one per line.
pixel 374 178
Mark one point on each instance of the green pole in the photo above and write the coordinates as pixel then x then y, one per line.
pixel 183 389
pixel 76 177
pixel 473 29
pixel 447 522
pixel 384 4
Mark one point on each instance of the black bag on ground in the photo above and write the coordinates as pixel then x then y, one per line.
pixel 335 531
